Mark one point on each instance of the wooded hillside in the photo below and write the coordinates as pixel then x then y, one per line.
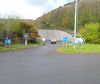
pixel 63 17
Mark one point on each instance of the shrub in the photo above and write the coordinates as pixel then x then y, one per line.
pixel 91 32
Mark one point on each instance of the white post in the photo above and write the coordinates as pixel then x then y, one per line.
pixel 75 24
pixel 26 41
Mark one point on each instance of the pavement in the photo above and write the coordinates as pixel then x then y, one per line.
pixel 44 65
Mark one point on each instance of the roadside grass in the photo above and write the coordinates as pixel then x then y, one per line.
pixel 85 48
pixel 17 47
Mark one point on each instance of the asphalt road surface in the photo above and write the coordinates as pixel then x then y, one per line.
pixel 43 65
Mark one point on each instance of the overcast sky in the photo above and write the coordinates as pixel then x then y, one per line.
pixel 29 9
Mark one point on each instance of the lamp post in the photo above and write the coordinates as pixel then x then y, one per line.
pixel 75 24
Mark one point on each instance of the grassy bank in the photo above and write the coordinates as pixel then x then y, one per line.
pixel 17 47
pixel 85 48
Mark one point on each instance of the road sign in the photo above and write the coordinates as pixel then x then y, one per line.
pixel 26 36
pixel 65 39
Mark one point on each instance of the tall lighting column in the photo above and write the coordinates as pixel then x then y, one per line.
pixel 75 23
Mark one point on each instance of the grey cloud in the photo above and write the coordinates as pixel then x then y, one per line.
pixel 55 0
pixel 41 3
pixel 37 2
pixel 45 3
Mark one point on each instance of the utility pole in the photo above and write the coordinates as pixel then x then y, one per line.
pixel 75 24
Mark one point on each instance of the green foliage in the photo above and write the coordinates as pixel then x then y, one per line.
pixel 15 28
pixel 8 27
pixel 91 32
pixel 18 40
pixel 62 18
pixel 28 27
pixel 25 25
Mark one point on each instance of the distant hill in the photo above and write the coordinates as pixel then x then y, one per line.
pixel 62 18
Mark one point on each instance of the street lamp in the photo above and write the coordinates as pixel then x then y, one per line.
pixel 75 24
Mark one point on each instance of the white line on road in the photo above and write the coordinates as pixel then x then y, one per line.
pixel 18 53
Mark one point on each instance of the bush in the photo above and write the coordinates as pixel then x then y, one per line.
pixel 91 32
pixel 18 40
pixel 36 41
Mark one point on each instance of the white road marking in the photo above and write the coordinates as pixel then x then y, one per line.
pixel 18 53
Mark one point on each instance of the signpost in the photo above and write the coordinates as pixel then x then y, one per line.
pixel 66 41
pixel 26 36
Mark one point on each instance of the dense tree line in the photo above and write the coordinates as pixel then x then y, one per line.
pixel 62 18
pixel 15 29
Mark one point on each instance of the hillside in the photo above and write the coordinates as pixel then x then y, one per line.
pixel 62 18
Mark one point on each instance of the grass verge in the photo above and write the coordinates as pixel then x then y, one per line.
pixel 18 47
pixel 85 48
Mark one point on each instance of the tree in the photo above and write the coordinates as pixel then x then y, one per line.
pixel 7 26
pixel 28 27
